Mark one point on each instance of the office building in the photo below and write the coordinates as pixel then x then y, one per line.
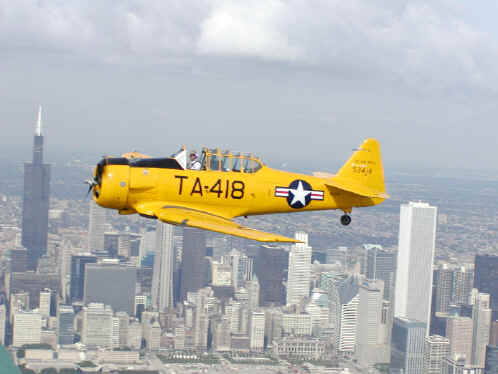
pixel 491 364
pixel 459 333
pixel 112 284
pixel 338 256
pixel 486 279
pixel 436 349
pixel 253 289
pixel 481 318
pixel 463 281
pixel 36 201
pixel 407 346
pixel 270 266
pixel 97 325
pixel 381 265
pixel 417 235
pixel 193 265
pixel 111 243
pixel 45 301
pixel 299 274
pixel 65 321
pixel 124 323
pixel 443 282
pixel 34 283
pixel 458 365
pixel 493 334
pixel 256 331
pixel 18 260
pixel 96 227
pixel 372 330
pixel 78 264
pixel 27 328
pixel 343 311
pixel 3 323
pixel 221 333
pixel 162 278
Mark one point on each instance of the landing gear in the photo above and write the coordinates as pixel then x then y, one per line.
pixel 346 219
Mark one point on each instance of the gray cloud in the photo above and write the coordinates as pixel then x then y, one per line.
pixel 424 44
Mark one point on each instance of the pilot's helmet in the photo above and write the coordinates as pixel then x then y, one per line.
pixel 193 155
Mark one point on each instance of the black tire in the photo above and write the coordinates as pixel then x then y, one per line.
pixel 345 219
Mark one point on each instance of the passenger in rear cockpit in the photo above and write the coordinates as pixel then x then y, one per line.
pixel 194 162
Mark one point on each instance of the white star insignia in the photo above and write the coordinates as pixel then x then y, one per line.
pixel 299 194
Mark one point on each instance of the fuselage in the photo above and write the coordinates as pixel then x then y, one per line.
pixel 124 186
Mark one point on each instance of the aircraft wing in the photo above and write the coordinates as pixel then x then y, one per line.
pixel 179 215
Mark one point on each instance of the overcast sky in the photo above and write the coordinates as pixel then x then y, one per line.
pixel 294 81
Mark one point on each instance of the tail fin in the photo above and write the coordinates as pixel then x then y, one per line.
pixel 363 173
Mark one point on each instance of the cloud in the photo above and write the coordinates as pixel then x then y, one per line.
pixel 423 44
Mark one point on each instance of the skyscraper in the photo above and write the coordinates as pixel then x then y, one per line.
pixel 417 235
pixel 381 264
pixel 112 284
pixel 162 278
pixel 97 325
pixel 65 319
pixel 459 333
pixel 298 283
pixel 491 366
pixel 193 264
pixel 436 349
pixel 463 280
pixel 481 318
pixel 256 330
pixel 78 264
pixel 27 328
pixel 36 201
pixel 407 345
pixel 270 266
pixel 444 288
pixel 486 279
pixel 96 227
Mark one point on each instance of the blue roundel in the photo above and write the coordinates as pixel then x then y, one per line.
pixel 299 194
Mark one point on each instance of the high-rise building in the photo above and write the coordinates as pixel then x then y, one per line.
pixel 481 318
pixel 417 235
pixel 338 255
pixel 111 243
pixel 463 281
pixel 298 283
pixel 18 260
pixel 443 281
pixel 65 320
pixel 162 278
pixel 78 264
pixel 45 301
pixel 193 265
pixel 36 201
pixel 97 325
pixel 3 323
pixel 436 349
pixel 241 266
pixel 27 328
pixel 459 334
pixel 33 283
pixel 253 289
pixel 381 264
pixel 343 312
pixel 407 345
pixel 372 333
pixel 493 334
pixel 96 227
pixel 486 279
pixel 221 332
pixel 491 365
pixel 270 266
pixel 257 331
pixel 124 323
pixel 112 284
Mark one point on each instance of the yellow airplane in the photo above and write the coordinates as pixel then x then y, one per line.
pixel 232 185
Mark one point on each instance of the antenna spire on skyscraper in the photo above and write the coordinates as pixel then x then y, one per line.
pixel 39 122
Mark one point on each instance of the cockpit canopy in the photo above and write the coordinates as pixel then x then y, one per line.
pixel 215 159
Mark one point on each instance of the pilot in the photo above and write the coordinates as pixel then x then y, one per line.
pixel 194 161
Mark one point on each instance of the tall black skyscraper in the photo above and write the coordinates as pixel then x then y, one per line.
pixel 193 261
pixel 486 279
pixel 36 201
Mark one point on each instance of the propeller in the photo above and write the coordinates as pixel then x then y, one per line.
pixel 91 183
pixel 97 179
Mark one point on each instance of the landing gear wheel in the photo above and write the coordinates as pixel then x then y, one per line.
pixel 346 219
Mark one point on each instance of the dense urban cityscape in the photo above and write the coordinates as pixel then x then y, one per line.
pixel 410 287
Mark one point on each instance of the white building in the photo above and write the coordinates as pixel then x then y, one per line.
pixel 3 321
pixel 27 328
pixel 481 318
pixel 44 308
pixel 96 227
pixel 162 277
pixel 97 326
pixel 417 235
pixel 252 287
pixel 297 324
pixel 436 349
pixel 298 283
pixel 257 331
pixel 459 332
